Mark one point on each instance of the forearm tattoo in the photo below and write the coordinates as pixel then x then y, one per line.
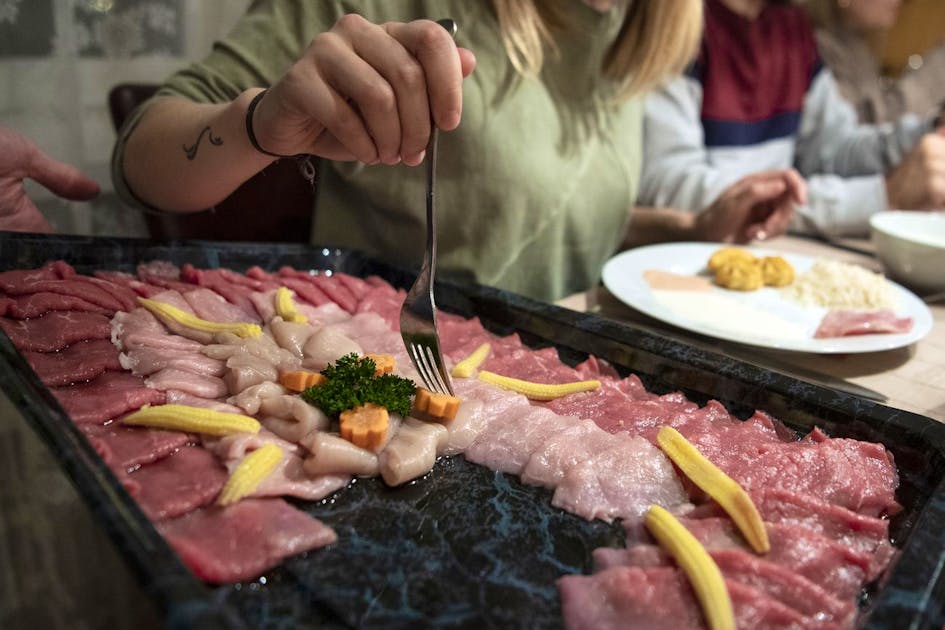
pixel 191 152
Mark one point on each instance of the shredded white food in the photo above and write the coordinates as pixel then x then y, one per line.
pixel 833 284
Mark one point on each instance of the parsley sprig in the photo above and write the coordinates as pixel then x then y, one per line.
pixel 351 382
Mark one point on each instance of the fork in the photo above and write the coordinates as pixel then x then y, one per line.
pixel 418 314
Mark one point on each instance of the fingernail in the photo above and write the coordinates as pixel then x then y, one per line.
pixel 416 159
pixel 761 235
pixel 450 120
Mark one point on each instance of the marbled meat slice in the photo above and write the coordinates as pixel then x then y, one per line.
pixel 124 296
pixel 74 287
pixel 866 534
pixel 78 363
pixel 614 408
pixel 786 586
pixel 124 448
pixel 242 541
pixel 55 330
pixel 110 395
pixel 36 304
pixel 661 598
pixel 14 280
pixel 539 366
pixel 829 564
pixel 179 483
pixel 854 474
pixel 742 565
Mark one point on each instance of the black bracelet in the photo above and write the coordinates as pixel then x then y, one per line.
pixel 249 128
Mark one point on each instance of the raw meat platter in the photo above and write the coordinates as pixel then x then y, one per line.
pixel 493 535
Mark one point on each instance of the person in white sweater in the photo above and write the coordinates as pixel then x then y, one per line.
pixel 759 98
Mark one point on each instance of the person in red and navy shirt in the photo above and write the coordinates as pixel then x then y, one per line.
pixel 758 98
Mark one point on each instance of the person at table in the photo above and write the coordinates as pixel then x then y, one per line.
pixel 844 30
pixel 21 159
pixel 534 188
pixel 757 97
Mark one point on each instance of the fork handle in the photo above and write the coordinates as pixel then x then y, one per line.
pixel 429 257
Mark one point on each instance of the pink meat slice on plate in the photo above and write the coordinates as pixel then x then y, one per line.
pixel 845 323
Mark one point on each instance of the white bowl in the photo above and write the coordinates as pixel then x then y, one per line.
pixel 911 246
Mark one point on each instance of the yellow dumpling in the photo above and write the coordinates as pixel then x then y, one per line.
pixel 729 254
pixel 740 275
pixel 776 271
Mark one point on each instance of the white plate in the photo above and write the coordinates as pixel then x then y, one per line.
pixel 765 318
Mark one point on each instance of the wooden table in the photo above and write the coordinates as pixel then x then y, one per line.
pixel 912 378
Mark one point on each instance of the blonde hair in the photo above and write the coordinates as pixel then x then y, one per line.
pixel 658 39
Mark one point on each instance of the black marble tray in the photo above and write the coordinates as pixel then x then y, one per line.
pixel 463 546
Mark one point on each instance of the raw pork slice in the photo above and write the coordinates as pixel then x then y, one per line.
pixel 242 541
pixel 563 450
pixel 623 481
pixel 508 442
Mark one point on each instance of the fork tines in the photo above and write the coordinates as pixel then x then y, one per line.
pixel 430 367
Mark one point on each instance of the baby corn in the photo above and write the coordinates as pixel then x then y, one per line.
pixel 725 490
pixel 538 391
pixel 168 312
pixel 191 420
pixel 697 564
pixel 285 307
pixel 466 367
pixel 250 472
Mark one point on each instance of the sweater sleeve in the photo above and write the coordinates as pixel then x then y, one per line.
pixel 845 162
pixel 676 170
pixel 263 45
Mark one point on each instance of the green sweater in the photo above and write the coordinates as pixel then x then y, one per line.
pixel 534 188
